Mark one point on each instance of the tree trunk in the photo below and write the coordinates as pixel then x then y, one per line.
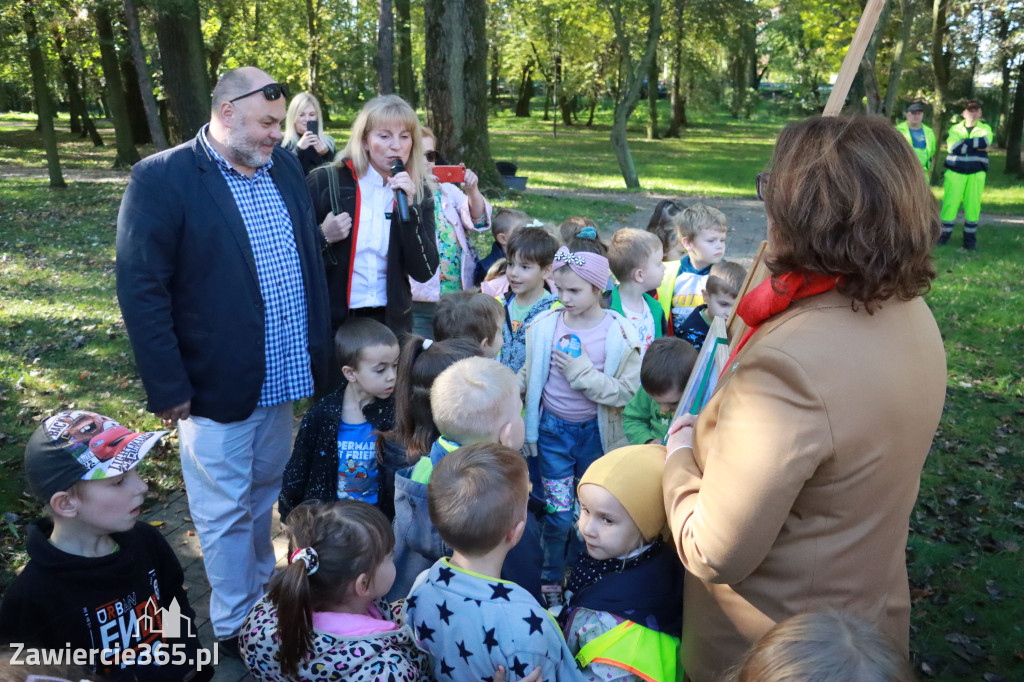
pixel 564 103
pixel 385 48
pixel 313 53
pixel 132 92
pixel 37 64
pixel 403 36
pixel 892 88
pixel 219 44
pixel 652 100
pixel 940 76
pixel 495 53
pixel 156 131
pixel 525 92
pixel 1015 127
pixel 632 73
pixel 126 152
pixel 874 104
pixel 69 72
pixel 1006 70
pixel 677 100
pixel 183 57
pixel 455 83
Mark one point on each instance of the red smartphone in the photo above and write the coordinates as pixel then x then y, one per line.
pixel 450 173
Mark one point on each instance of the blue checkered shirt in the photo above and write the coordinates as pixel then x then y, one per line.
pixel 271 236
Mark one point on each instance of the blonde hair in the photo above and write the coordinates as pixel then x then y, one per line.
pixel 629 249
pixel 295 107
pixel 476 495
pixel 466 398
pixel 700 217
pixel 381 111
pixel 824 646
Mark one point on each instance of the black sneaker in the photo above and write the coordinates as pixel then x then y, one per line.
pixel 970 242
pixel 944 237
pixel 229 648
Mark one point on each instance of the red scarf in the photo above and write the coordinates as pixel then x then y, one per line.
pixel 774 295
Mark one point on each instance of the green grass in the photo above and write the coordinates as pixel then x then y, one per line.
pixel 62 344
pixel 966 565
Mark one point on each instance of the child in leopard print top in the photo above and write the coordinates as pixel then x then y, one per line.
pixel 324 617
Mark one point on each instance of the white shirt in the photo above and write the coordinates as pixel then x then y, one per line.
pixel 643 320
pixel 370 261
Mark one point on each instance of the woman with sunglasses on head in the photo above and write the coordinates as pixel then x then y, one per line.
pixel 455 211
pixel 313 148
pixel 370 248
pixel 793 488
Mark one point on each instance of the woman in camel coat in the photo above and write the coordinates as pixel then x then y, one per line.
pixel 795 487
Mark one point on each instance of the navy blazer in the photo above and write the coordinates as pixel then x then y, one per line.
pixel 188 287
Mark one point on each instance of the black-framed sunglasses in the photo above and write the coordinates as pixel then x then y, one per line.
pixel 431 156
pixel 762 185
pixel 271 92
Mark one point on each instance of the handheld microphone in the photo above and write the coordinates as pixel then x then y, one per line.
pixel 400 199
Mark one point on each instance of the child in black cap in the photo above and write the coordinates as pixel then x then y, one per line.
pixel 100 586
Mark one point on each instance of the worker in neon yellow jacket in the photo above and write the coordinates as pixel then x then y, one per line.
pixel 966 166
pixel 920 136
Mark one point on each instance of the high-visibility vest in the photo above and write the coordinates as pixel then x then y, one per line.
pixel 646 653
pixel 667 289
pixel 925 155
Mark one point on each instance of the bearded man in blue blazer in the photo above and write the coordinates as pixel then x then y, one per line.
pixel 221 285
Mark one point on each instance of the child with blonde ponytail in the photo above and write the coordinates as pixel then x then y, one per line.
pixel 324 617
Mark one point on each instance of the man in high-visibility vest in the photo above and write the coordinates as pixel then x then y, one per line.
pixel 966 166
pixel 920 136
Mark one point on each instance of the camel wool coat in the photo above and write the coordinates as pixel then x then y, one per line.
pixel 805 467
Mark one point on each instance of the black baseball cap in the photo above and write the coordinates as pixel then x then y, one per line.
pixel 77 445
pixel 915 106
pixel 972 104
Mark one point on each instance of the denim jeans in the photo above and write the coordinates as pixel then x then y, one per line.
pixel 566 450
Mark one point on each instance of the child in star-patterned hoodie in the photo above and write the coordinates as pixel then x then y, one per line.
pixel 467 618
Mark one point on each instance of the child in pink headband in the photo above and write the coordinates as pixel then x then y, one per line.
pixel 582 367
pixel 592 267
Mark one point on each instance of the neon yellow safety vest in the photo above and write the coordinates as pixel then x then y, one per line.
pixel 648 654
pixel 925 155
pixel 667 289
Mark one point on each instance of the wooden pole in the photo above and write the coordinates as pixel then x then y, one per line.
pixel 758 272
pixel 854 54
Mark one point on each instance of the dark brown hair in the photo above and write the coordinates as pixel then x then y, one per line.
pixel 468 315
pixel 414 427
pixel 667 365
pixel 357 333
pixel 665 221
pixel 350 538
pixel 477 494
pixel 846 197
pixel 532 245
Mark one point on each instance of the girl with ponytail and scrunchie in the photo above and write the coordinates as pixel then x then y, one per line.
pixel 324 617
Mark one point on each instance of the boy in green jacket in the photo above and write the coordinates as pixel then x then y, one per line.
pixel 663 375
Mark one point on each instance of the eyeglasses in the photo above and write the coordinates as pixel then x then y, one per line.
pixel 431 156
pixel 271 92
pixel 762 185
